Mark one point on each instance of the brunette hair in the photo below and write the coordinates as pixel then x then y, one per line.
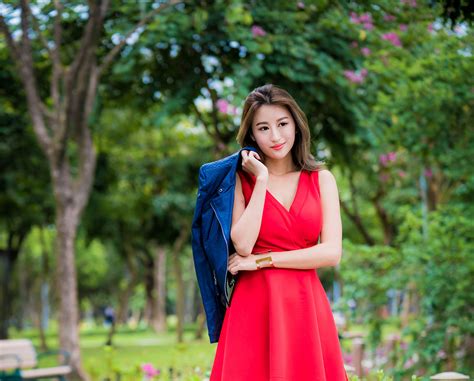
pixel 270 94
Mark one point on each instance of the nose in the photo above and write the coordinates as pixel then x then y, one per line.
pixel 275 136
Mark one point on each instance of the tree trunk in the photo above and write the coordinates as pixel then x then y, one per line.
pixel 149 288
pixel 179 297
pixel 124 296
pixel 7 262
pixel 200 321
pixel 190 295
pixel 158 314
pixel 66 222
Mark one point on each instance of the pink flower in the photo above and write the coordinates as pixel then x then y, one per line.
pixel 392 37
pixel 402 174
pixel 150 370
pixel 441 354
pixel 354 44
pixel 223 106
pixel 355 77
pixel 391 156
pixel 430 27
pixel 365 17
pixel 365 51
pixel 354 18
pixel 300 4
pixel 389 17
pixel 411 3
pixel 384 177
pixel 403 27
pixel 368 26
pixel 258 31
pixel 428 173
pixel 384 159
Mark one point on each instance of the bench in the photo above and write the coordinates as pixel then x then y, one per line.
pixel 19 361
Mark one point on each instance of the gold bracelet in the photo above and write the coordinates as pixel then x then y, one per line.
pixel 265 260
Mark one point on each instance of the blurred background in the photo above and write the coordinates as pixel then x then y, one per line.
pixel 107 111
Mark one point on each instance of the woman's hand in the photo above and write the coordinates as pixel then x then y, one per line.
pixel 238 263
pixel 252 163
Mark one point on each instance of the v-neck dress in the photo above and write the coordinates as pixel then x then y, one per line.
pixel 279 325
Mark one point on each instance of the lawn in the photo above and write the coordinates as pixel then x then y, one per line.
pixel 132 348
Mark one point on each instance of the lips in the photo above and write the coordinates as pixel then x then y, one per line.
pixel 278 146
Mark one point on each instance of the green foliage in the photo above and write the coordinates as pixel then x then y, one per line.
pixel 444 253
pixel 369 272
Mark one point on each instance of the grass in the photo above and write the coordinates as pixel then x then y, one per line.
pixel 131 348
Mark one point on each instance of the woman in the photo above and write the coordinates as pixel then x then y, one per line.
pixel 279 325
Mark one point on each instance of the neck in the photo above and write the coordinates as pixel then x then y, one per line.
pixel 280 166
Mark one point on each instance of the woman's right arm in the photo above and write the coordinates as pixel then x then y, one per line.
pixel 246 221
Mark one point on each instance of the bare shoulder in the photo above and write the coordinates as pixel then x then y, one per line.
pixel 327 180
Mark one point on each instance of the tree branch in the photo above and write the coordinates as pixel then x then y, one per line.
pixel 58 69
pixel 14 49
pixel 201 118
pixel 116 49
pixel 25 67
pixel 37 29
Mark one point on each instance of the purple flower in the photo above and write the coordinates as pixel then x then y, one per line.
pixel 403 27
pixel 384 177
pixel 300 4
pixel 354 44
pixel 428 173
pixel 392 37
pixel 365 51
pixel 430 27
pixel 258 31
pixel 411 3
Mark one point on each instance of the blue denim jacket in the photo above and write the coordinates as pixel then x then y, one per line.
pixel 211 243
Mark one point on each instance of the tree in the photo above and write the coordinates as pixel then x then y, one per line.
pixel 61 121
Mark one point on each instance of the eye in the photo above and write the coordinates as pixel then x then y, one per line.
pixel 283 123
pixel 261 128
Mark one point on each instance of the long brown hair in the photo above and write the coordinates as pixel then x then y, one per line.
pixel 270 94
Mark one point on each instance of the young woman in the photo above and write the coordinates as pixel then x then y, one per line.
pixel 279 325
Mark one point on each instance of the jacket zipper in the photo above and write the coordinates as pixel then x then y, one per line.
pixel 227 257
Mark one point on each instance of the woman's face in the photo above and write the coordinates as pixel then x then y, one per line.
pixel 273 128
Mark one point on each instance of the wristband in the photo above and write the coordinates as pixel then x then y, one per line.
pixel 266 260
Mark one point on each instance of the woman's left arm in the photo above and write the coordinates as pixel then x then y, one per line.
pixel 325 254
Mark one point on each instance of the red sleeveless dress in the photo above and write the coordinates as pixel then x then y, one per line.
pixel 279 325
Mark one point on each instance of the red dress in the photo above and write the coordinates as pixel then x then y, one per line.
pixel 279 325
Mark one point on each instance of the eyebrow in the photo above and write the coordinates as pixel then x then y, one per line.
pixel 284 117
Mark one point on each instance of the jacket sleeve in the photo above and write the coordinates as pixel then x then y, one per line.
pixel 204 271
